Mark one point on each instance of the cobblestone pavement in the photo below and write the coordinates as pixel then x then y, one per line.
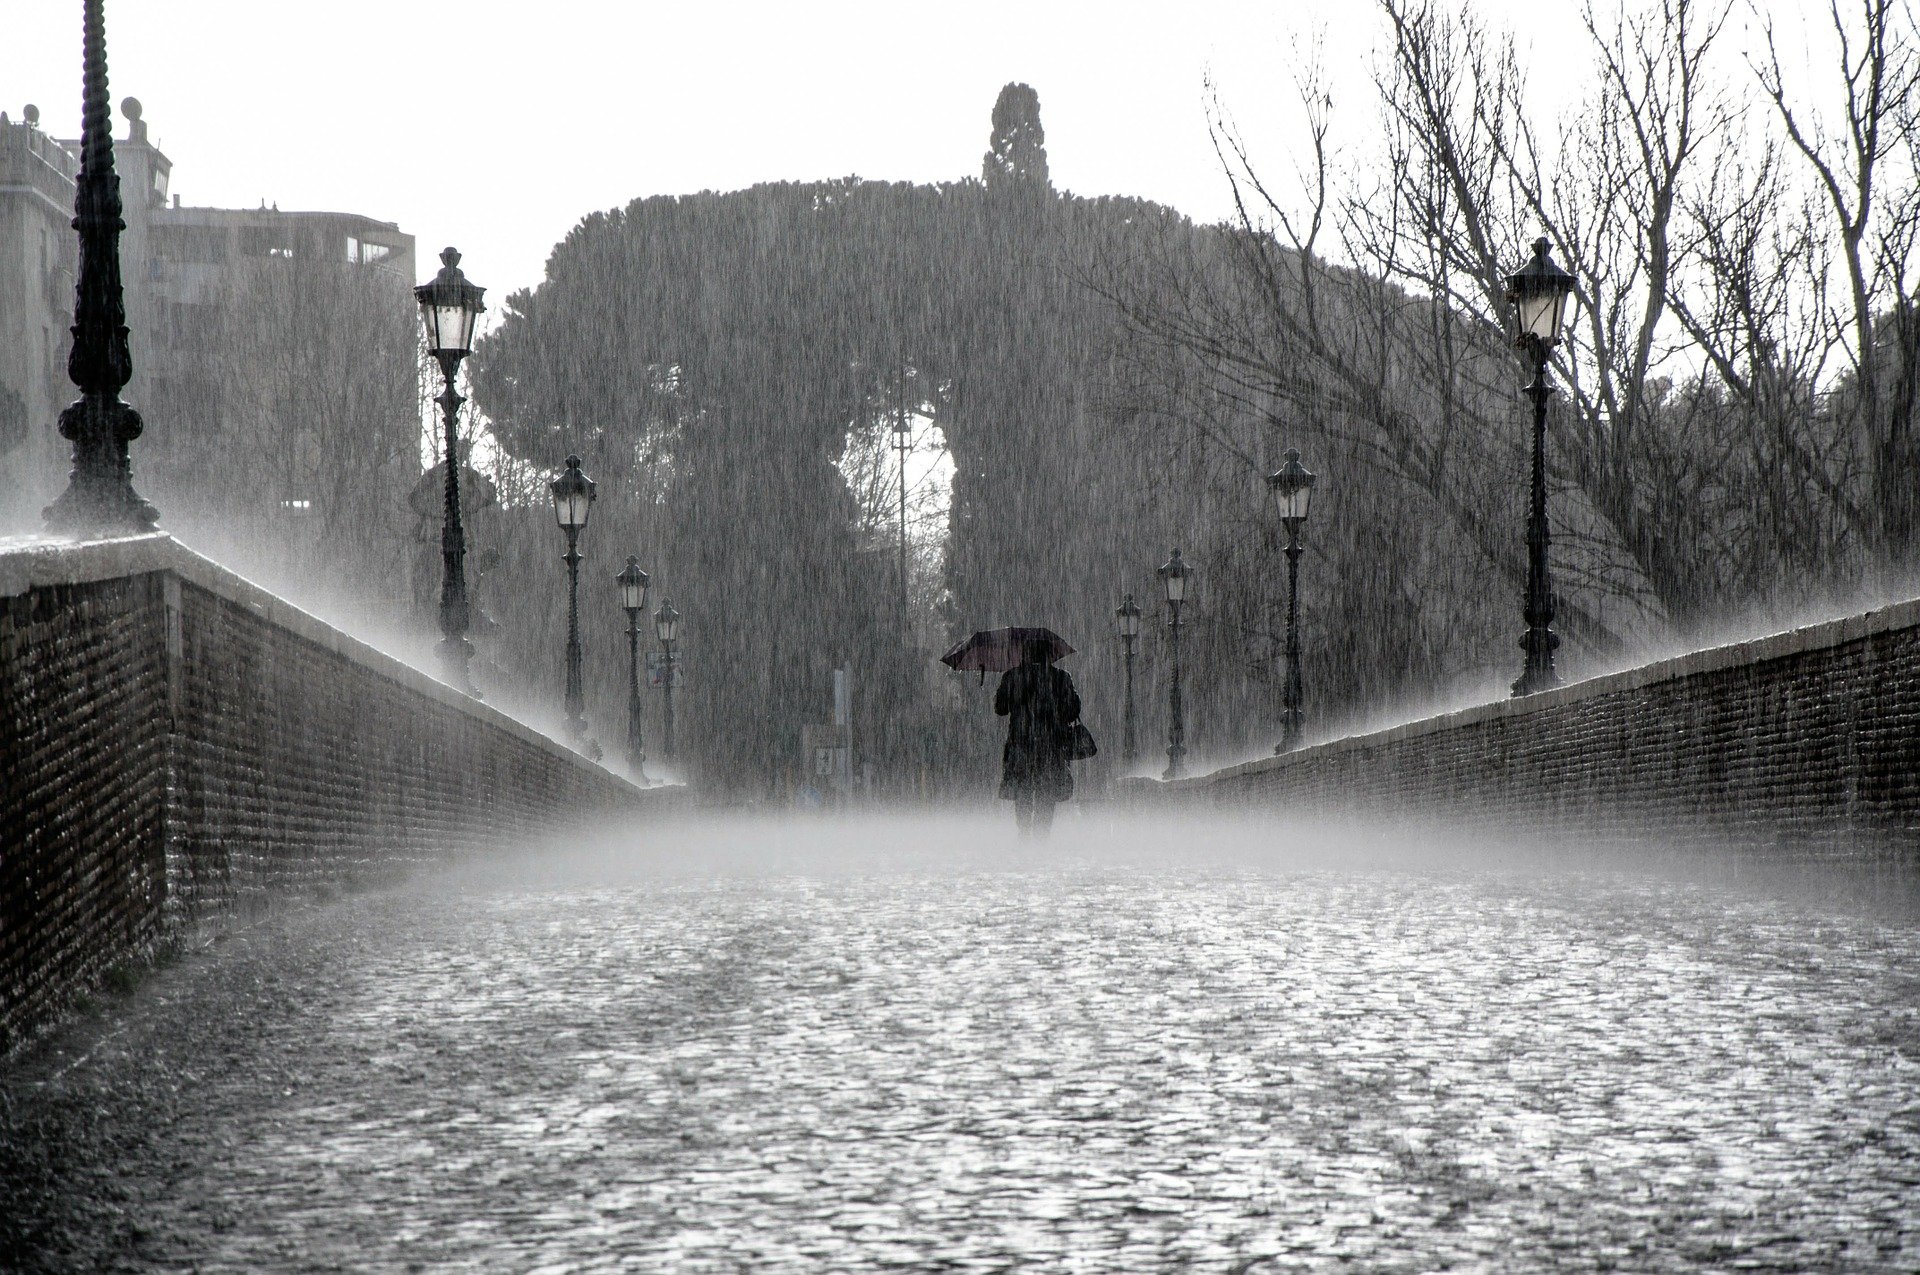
pixel 790 1052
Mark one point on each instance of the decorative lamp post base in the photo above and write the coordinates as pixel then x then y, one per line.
pixel 1289 738
pixel 1531 683
pixel 1539 644
pixel 456 655
pixel 100 501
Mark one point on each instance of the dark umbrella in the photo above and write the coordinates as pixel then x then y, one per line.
pixel 997 650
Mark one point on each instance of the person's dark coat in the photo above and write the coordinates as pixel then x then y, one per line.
pixel 1039 703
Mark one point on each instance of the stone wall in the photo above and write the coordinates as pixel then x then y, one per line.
pixel 177 746
pixel 1807 740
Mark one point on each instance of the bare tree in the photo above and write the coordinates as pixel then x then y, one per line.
pixel 1721 421
pixel 1863 166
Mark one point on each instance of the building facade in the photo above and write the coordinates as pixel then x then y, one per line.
pixel 278 343
pixel 38 256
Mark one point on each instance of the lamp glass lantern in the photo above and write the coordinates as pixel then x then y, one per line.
pixel 633 585
pixel 1291 486
pixel 1539 292
pixel 666 621
pixel 572 496
pixel 1129 616
pixel 449 308
pixel 1173 575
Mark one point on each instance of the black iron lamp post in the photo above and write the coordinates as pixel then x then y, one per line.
pixel 572 502
pixel 903 442
pixel 666 626
pixel 449 308
pixel 99 499
pixel 1292 488
pixel 1538 291
pixel 1173 575
pixel 633 596
pixel 1129 616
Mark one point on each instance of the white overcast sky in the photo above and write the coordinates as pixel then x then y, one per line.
pixel 497 126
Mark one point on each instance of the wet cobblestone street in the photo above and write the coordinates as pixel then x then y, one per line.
pixel 791 1051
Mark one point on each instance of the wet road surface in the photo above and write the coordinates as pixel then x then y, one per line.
pixel 867 1047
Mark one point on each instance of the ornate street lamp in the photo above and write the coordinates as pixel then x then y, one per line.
pixel 666 626
pixel 1173 575
pixel 1129 616
pixel 633 596
pixel 449 308
pixel 1538 291
pixel 572 502
pixel 1292 489
pixel 99 499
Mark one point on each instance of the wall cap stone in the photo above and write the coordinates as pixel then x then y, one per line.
pixel 26 565
pixel 1750 652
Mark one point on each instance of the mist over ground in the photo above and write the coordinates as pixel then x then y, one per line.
pixel 1147 1044
pixel 1110 836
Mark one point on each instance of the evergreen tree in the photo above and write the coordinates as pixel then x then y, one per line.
pixel 1017 158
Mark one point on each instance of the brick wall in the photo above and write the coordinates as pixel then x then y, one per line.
pixel 177 746
pixel 1808 741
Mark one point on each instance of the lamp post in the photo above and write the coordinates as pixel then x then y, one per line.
pixel 666 626
pixel 1538 291
pixel 99 499
pixel 1173 575
pixel 1292 489
pixel 572 503
pixel 903 440
pixel 449 307
pixel 633 596
pixel 1129 616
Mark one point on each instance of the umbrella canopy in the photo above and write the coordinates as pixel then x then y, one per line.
pixel 997 650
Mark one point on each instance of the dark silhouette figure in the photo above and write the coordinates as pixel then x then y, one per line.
pixel 1040 704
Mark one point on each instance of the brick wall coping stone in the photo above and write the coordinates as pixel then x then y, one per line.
pixel 1752 651
pixel 47 563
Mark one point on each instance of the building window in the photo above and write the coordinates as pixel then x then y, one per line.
pixel 361 252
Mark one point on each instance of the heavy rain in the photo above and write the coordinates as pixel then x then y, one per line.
pixel 921 559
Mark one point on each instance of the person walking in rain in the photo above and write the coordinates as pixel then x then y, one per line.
pixel 1041 706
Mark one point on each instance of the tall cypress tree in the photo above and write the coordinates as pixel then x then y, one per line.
pixel 1017 157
